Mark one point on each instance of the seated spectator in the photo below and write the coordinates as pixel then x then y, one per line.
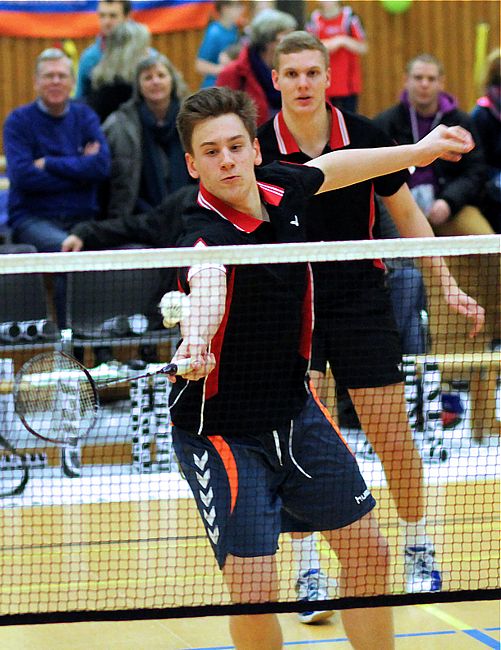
pixel 57 156
pixel 109 13
pixel 147 157
pixel 446 192
pixel 113 77
pixel 251 71
pixel 220 34
pixel 487 119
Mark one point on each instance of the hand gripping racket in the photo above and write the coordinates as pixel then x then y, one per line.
pixel 56 397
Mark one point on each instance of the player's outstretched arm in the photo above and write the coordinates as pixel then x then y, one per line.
pixel 411 222
pixel 350 166
pixel 207 308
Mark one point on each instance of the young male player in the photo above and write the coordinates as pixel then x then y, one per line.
pixel 249 434
pixel 354 326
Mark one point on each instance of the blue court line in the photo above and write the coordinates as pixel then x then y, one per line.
pixel 483 638
pixel 475 634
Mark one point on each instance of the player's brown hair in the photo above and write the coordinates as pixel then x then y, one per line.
pixel 297 42
pixel 213 102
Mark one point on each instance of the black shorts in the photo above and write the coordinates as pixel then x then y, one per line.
pixel 357 334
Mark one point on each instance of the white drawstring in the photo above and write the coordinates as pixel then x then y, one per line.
pixel 292 455
pixel 277 447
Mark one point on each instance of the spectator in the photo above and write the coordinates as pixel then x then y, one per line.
pixel 110 13
pixel 113 76
pixel 56 156
pixel 447 193
pixel 341 31
pixel 251 71
pixel 147 157
pixel 220 34
pixel 487 118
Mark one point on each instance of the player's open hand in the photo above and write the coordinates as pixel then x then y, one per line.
pixel 445 142
pixel 464 304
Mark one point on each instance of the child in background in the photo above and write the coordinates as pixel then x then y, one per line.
pixel 341 31
pixel 220 34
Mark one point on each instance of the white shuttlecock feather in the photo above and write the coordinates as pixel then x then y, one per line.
pixel 174 307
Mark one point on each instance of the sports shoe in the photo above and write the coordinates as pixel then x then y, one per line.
pixel 313 585
pixel 421 573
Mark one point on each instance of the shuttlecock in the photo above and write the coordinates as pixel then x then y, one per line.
pixel 174 307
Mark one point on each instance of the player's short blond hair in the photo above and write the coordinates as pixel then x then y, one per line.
pixel 298 42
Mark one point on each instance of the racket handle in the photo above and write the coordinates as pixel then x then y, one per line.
pixel 180 368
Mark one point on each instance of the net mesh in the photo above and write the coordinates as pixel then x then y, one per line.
pixel 122 520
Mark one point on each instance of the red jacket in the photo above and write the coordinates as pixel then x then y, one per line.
pixel 239 75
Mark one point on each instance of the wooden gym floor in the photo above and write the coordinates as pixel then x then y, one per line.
pixel 154 553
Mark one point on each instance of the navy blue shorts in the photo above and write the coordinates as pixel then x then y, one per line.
pixel 241 485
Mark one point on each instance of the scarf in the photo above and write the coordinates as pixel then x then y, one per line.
pixel 263 75
pixel 164 168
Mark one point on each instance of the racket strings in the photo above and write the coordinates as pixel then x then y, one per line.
pixel 55 397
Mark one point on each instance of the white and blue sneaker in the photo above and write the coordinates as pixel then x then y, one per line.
pixel 421 572
pixel 312 585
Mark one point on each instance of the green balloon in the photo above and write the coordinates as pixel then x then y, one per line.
pixel 396 6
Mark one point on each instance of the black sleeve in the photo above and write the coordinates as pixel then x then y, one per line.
pixel 159 228
pixel 301 181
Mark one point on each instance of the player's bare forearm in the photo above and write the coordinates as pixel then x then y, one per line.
pixel 350 166
pixel 411 222
pixel 198 328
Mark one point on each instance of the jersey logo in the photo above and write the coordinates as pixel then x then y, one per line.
pixel 295 221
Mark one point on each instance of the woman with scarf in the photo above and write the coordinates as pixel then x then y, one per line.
pixel 487 118
pixel 251 71
pixel 147 157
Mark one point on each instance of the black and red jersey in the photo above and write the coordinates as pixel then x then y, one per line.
pixel 349 213
pixel 263 344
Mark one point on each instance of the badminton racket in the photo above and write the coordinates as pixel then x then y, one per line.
pixel 57 398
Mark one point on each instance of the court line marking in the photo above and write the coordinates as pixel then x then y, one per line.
pixel 337 640
pixel 461 626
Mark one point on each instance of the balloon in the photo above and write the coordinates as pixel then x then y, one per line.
pixel 396 6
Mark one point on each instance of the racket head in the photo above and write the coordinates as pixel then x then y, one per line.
pixel 56 398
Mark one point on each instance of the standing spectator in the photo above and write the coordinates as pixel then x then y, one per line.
pixel 57 156
pixel 446 193
pixel 251 71
pixel 110 13
pixel 487 118
pixel 147 157
pixel 341 31
pixel 113 76
pixel 220 34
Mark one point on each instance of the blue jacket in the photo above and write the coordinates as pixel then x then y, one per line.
pixel 89 59
pixel 67 187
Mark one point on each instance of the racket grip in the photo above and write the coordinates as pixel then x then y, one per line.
pixel 179 368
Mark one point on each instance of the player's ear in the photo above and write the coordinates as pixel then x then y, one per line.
pixel 257 152
pixel 190 164
pixel 328 75
pixel 274 78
